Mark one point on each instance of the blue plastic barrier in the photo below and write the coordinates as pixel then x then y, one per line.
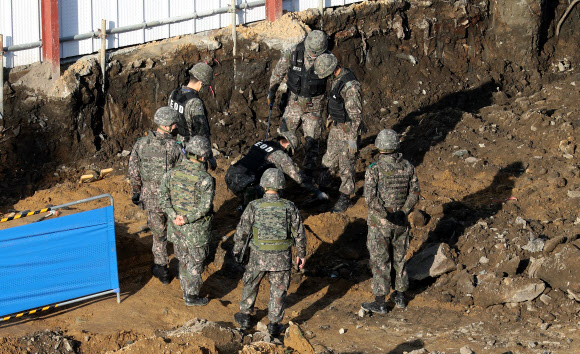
pixel 56 260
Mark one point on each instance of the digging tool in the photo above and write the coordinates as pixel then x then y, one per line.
pixel 49 214
pixel 269 117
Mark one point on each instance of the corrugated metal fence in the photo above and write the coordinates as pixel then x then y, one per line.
pixel 20 21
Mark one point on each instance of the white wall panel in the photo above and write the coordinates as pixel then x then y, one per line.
pixel 131 12
pixel 74 18
pixel 20 24
pixel 181 8
pixel 156 10
pixel 20 21
pixel 107 10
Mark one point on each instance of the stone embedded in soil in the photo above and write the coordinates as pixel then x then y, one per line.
pixel 434 260
pixel 492 290
pixel 559 270
pixel 294 338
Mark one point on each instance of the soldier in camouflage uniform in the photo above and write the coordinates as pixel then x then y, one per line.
pixel 344 120
pixel 152 156
pixel 391 191
pixel 193 115
pixel 306 92
pixel 274 225
pixel 242 177
pixel 186 196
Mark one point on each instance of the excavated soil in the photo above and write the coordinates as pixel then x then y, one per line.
pixel 495 143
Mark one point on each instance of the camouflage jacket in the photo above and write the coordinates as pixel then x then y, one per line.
pixel 188 190
pixel 196 121
pixel 281 160
pixel 152 156
pixel 391 184
pixel 351 93
pixel 313 104
pixel 270 261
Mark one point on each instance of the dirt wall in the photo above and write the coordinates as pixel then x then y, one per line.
pixel 407 54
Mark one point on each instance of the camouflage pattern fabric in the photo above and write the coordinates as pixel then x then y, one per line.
pixel 279 283
pixel 191 266
pixel 337 156
pixel 391 185
pixel 276 263
pixel 300 110
pixel 188 190
pixel 151 157
pixel 380 240
pixel 338 159
pixel 238 178
pixel 157 222
pixel 196 122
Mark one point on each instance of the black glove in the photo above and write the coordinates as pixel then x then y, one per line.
pixel 399 218
pixel 136 199
pixel 212 163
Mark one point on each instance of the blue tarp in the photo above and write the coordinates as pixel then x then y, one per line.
pixel 57 260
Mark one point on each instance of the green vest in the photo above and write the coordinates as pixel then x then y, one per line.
pixel 271 230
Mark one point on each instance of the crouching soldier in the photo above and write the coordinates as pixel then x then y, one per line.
pixel 152 156
pixel 391 191
pixel 242 177
pixel 272 225
pixel 186 196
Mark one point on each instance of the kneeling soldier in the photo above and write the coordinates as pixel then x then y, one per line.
pixel 273 224
pixel 186 196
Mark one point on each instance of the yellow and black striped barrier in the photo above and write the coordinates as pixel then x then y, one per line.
pixel 18 216
pixel 28 312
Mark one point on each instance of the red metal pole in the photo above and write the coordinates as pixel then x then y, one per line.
pixel 50 31
pixel 273 10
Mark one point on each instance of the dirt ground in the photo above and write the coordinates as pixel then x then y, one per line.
pixel 496 155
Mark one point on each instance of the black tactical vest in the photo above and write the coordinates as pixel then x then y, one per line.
pixel 336 109
pixel 255 161
pixel 178 100
pixel 301 81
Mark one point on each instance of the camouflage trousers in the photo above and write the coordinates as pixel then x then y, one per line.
pixel 295 115
pixel 381 241
pixel 338 159
pixel 279 283
pixel 191 266
pixel 156 220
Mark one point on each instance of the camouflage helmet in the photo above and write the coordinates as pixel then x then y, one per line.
pixel 198 145
pixel 202 72
pixel 316 42
pixel 325 64
pixel 292 139
pixel 166 116
pixel 387 139
pixel 273 178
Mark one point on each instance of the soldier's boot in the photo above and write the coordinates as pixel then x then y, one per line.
pixel 243 320
pixel 161 272
pixel 275 329
pixel 377 306
pixel 195 300
pixel 399 299
pixel 342 204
